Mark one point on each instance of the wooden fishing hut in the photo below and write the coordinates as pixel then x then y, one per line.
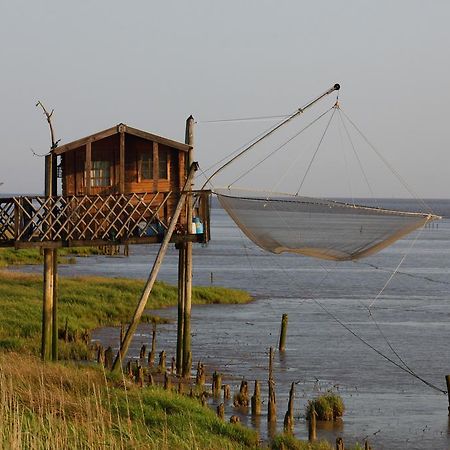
pixel 121 185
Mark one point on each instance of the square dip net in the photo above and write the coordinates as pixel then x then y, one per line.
pixel 314 227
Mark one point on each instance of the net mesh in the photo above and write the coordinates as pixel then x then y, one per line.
pixel 323 229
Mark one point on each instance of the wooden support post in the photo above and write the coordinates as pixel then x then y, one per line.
pixel 88 165
pixel 283 332
pixel 121 159
pixel 55 305
pixel 289 416
pixel 447 379
pixel 256 400
pixel 108 357
pixel 181 300
pixel 153 274
pixel 189 139
pixel 200 378
pixel 340 444
pixel 47 307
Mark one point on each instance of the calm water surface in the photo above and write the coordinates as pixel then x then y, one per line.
pixel 391 408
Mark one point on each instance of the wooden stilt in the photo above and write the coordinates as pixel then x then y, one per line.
pixel 312 433
pixel 181 300
pixel 47 306
pixel 188 257
pixel 153 274
pixel 55 305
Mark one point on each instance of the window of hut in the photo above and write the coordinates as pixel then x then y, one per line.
pixel 163 160
pixel 100 173
pixel 146 166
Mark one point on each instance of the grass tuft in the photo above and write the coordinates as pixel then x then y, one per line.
pixel 328 406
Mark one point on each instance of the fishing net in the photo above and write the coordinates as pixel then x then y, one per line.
pixel 315 227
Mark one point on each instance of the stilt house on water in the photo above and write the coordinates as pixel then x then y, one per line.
pixel 119 186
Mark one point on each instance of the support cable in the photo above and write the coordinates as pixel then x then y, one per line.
pixel 316 151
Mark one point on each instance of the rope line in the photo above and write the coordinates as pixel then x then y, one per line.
pixel 279 148
pixel 356 154
pixel 315 153
pixel 243 119
pixel 360 338
pixel 386 163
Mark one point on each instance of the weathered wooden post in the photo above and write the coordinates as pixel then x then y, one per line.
pixel 167 383
pixel 221 411
pixel 162 362
pixel 366 445
pixel 200 378
pixel 189 139
pixel 312 433
pixel 142 351
pixel 151 355
pixel 108 357
pixel 340 444
pixel 140 376
pixel 226 392
pixel 289 416
pixel 283 332
pixel 447 379
pixel 272 404
pixel 256 400
pixel 216 384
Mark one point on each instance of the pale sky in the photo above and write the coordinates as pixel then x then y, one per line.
pixel 151 64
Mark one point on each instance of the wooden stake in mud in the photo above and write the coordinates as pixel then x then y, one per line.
pixel 283 332
pixel 256 400
pixel 108 357
pixel 200 378
pixel 151 355
pixel 162 362
pixel 221 411
pixel 289 416
pixel 312 434
pixel 154 272
pixel 216 384
pixel 187 362
pixel 272 404
pixel 447 379
pixel 340 444
pixel 226 392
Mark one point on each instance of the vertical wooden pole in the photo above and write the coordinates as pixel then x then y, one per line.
pixel 187 355
pixel 55 305
pixel 153 274
pixel 312 433
pixel 88 165
pixel 121 160
pixel 47 305
pixel 283 332
pixel 181 299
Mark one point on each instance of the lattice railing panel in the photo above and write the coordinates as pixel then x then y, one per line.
pixel 7 221
pixel 86 218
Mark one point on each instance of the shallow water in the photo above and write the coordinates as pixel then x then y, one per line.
pixel 391 408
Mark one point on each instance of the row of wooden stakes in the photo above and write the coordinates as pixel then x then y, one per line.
pixel 152 374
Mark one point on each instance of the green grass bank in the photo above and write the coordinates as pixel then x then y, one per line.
pixel 86 303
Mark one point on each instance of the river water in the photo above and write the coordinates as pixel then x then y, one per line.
pixel 412 316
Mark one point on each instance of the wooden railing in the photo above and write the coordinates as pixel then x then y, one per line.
pixel 97 220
